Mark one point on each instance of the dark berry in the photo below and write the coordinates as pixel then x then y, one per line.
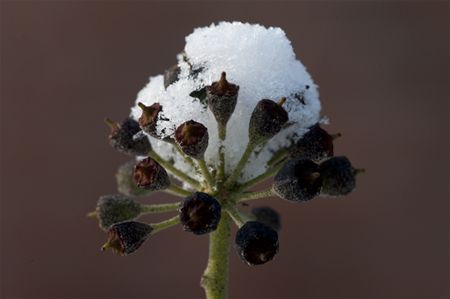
pixel 126 139
pixel 171 75
pixel 298 180
pixel 267 119
pixel 256 243
pixel 268 216
pixel 316 145
pixel 200 213
pixel 116 208
pixel 149 118
pixel 148 174
pixel 126 237
pixel 125 182
pixel 192 137
pixel 338 176
pixel 222 99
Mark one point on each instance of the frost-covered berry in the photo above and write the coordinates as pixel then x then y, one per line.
pixel 149 118
pixel 256 243
pixel 116 208
pixel 192 137
pixel 268 216
pixel 298 180
pixel 126 237
pixel 338 176
pixel 126 138
pixel 200 213
pixel 148 174
pixel 171 75
pixel 222 98
pixel 267 119
pixel 316 144
pixel 125 182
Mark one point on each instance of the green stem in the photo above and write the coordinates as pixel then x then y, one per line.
pixel 222 135
pixel 237 171
pixel 175 171
pixel 185 157
pixel 254 195
pixel 238 217
pixel 177 190
pixel 215 277
pixel 157 227
pixel 206 173
pixel 159 208
pixel 278 156
pixel 269 173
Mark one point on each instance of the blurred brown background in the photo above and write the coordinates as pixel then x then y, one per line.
pixel 383 71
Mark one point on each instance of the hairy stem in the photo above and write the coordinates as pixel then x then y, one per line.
pixel 177 190
pixel 238 217
pixel 269 173
pixel 221 171
pixel 215 277
pixel 254 195
pixel 237 171
pixel 159 208
pixel 159 226
pixel 186 158
pixel 206 174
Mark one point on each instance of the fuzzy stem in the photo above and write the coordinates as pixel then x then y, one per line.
pixel 159 208
pixel 175 171
pixel 157 227
pixel 269 173
pixel 215 277
pixel 177 190
pixel 186 158
pixel 206 173
pixel 254 195
pixel 238 217
pixel 222 135
pixel 237 171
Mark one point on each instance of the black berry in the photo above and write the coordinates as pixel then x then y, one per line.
pixel 268 216
pixel 125 182
pixel 267 119
pixel 192 137
pixel 200 213
pixel 298 180
pixel 116 208
pixel 149 118
pixel 256 243
pixel 148 174
pixel 338 176
pixel 126 237
pixel 222 98
pixel 126 138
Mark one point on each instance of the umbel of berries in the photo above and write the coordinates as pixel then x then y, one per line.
pixel 237 108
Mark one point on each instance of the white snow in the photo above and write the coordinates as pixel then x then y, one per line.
pixel 258 59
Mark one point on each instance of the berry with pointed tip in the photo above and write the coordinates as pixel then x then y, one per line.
pixel 200 213
pixel 316 144
pixel 115 208
pixel 222 98
pixel 268 216
pixel 125 182
pixel 126 237
pixel 338 176
pixel 148 174
pixel 192 137
pixel 122 138
pixel 267 119
pixel 171 75
pixel 298 180
pixel 256 243
pixel 149 118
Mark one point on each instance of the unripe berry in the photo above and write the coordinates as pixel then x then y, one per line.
pixel 267 119
pixel 171 75
pixel 126 237
pixel 316 145
pixel 125 182
pixel 298 180
pixel 200 213
pixel 125 138
pixel 149 118
pixel 338 176
pixel 256 243
pixel 222 99
pixel 148 174
pixel 192 137
pixel 268 216
pixel 115 208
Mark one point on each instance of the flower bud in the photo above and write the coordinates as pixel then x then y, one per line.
pixel 338 176
pixel 200 213
pixel 125 182
pixel 222 99
pixel 149 118
pixel 171 75
pixel 192 138
pixel 267 119
pixel 124 139
pixel 115 208
pixel 298 180
pixel 126 237
pixel 316 144
pixel 148 174
pixel 268 216
pixel 256 243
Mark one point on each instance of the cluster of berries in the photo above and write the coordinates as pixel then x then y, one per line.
pixel 302 171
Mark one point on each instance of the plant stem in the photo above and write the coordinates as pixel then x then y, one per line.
pixel 238 217
pixel 237 171
pixel 157 227
pixel 206 173
pixel 185 157
pixel 254 195
pixel 215 277
pixel 159 208
pixel 221 171
pixel 269 173
pixel 175 171
pixel 177 190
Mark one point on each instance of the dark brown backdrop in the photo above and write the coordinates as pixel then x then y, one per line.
pixel 383 71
